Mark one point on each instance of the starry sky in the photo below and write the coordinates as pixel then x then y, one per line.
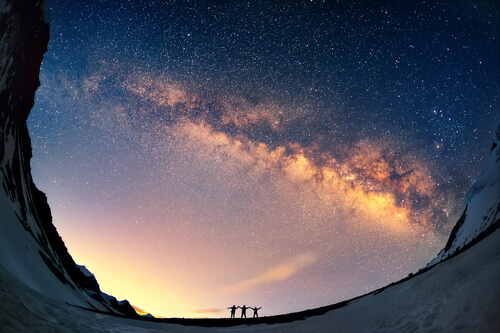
pixel 283 154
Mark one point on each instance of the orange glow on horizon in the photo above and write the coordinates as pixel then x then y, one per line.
pixel 232 220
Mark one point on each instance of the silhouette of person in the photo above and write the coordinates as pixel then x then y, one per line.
pixel 243 311
pixel 255 314
pixel 233 310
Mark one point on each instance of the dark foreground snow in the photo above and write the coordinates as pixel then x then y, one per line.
pixel 461 294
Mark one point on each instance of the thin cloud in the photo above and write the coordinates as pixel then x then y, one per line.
pixel 277 273
pixel 207 311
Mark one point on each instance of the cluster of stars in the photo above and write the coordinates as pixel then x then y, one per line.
pixel 284 154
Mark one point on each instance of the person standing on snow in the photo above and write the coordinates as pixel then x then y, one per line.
pixel 233 310
pixel 255 314
pixel 243 311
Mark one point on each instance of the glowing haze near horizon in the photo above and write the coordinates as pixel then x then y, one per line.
pixel 287 155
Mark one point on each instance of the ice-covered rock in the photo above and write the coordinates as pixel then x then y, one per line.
pixel 481 215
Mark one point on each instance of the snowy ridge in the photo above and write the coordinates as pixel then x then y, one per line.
pixel 482 211
pixel 85 271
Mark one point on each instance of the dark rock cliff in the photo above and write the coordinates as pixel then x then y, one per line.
pixel 24 35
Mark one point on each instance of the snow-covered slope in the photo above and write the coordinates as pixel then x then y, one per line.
pixel 31 250
pixel 481 215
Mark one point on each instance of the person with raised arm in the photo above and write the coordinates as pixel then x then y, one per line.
pixel 233 310
pixel 243 311
pixel 255 314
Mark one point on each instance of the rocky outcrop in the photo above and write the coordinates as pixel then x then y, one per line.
pixel 24 35
pixel 481 215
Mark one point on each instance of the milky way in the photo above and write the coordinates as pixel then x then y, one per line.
pixel 288 156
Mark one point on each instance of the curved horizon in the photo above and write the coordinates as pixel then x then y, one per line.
pixel 282 156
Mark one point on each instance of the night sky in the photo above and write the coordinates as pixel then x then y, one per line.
pixel 283 154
